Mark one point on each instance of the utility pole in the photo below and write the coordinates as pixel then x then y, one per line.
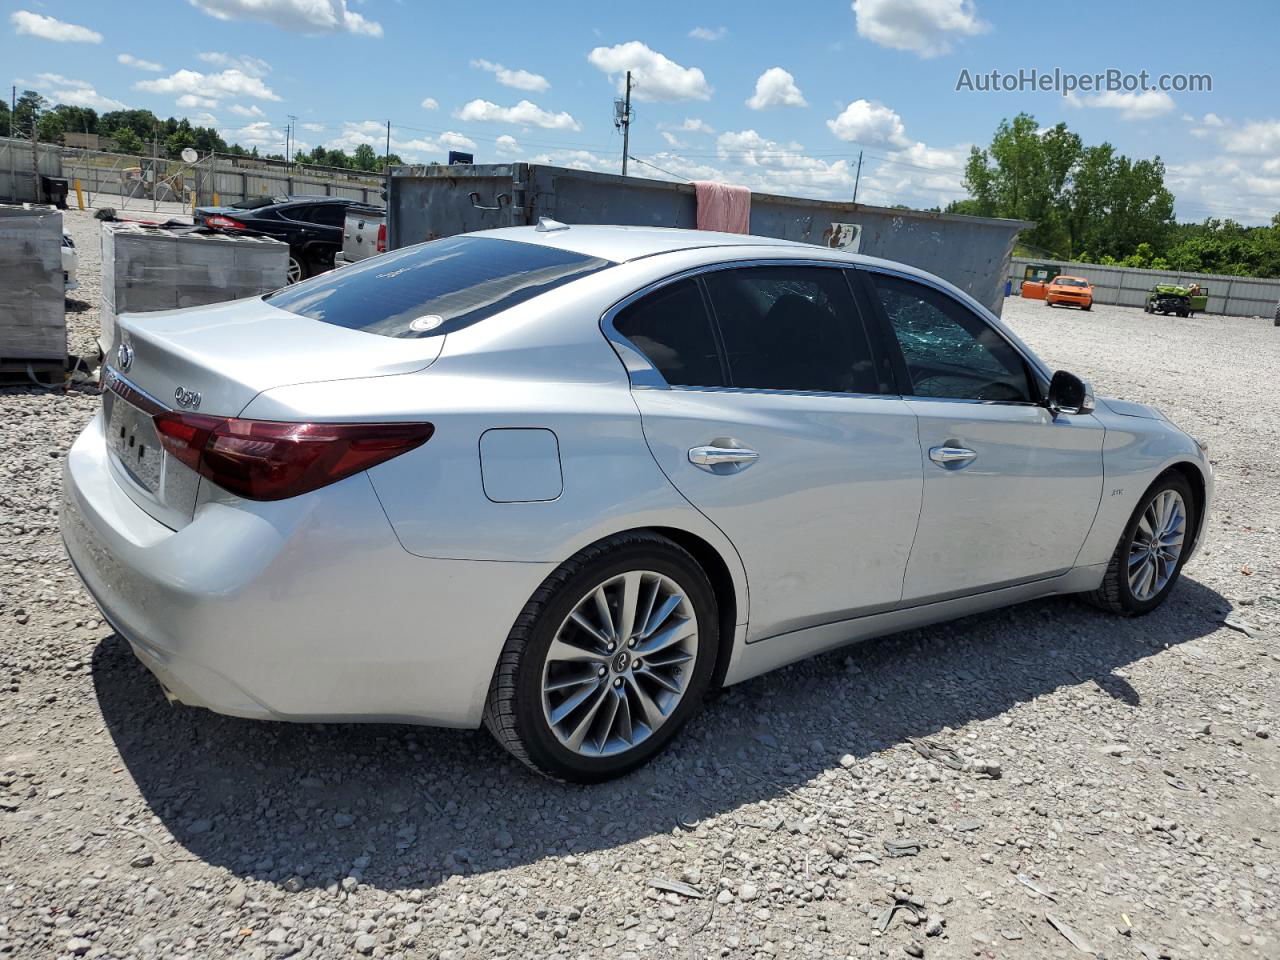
pixel 622 119
pixel 386 156
pixel 856 177
pixel 289 138
pixel 35 154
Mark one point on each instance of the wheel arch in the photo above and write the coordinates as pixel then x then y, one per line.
pixel 1191 472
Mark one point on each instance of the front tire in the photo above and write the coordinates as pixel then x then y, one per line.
pixel 1152 550
pixel 607 661
pixel 296 270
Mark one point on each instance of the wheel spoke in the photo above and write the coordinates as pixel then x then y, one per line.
pixel 575 700
pixel 562 651
pixel 568 682
pixel 659 616
pixel 607 717
pixel 628 605
pixel 665 682
pixel 622 719
pixel 653 715
pixel 671 657
pixel 574 740
pixel 605 614
pixel 677 631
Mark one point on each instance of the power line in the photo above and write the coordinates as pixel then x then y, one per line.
pixel 660 170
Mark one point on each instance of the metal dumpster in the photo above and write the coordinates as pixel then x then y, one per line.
pixel 433 201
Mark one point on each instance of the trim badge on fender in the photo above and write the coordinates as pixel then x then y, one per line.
pixel 186 398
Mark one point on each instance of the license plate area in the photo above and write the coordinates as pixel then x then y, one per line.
pixel 131 435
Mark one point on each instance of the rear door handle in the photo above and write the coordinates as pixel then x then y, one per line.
pixel 710 456
pixel 948 455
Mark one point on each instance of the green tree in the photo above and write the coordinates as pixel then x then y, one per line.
pixel 25 109
pixel 364 158
pixel 126 140
pixel 49 127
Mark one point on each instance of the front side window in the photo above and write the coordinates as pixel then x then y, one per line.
pixel 671 328
pixel 434 288
pixel 949 350
pixel 792 328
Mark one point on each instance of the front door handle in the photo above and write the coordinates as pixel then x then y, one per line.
pixel 949 455
pixel 710 456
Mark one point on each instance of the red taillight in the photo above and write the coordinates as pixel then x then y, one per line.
pixel 382 238
pixel 270 460
pixel 219 222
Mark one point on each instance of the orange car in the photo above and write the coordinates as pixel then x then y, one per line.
pixel 1072 291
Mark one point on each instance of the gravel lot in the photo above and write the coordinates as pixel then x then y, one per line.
pixel 1128 807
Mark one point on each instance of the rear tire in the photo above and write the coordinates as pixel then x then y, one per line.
pixel 296 270
pixel 636 690
pixel 1120 592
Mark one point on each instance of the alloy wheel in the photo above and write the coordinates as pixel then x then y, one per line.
pixel 1157 544
pixel 294 272
pixel 620 663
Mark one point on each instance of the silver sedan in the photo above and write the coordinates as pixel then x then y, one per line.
pixel 562 481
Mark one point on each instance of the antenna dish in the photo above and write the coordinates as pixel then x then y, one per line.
pixel 189 155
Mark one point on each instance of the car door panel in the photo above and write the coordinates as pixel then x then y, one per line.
pixel 1010 489
pixel 823 520
pixel 1019 510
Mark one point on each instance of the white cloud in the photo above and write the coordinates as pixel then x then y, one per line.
pixel 1132 106
pixel 519 79
pixel 654 76
pixel 867 122
pixel 311 127
pixel 507 144
pixel 695 125
pixel 1258 138
pixel 260 134
pixel 1212 120
pixel 524 113
pixel 50 28
pixel 430 103
pixel 252 66
pixel 205 119
pixel 781 167
pixel 228 83
pixel 300 16
pixel 924 27
pixel 776 88
pixel 455 141
pixel 708 33
pixel 253 110
pixel 75 93
pixel 129 60
pixel 189 101
pixel 673 140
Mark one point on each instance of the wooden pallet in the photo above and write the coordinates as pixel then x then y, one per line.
pixel 26 373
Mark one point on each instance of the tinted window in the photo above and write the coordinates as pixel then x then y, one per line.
pixel 436 287
pixel 950 351
pixel 792 328
pixel 328 214
pixel 672 329
pixel 304 214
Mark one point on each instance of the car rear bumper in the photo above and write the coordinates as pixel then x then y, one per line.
pixel 304 609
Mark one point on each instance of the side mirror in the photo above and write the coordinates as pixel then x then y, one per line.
pixel 1069 394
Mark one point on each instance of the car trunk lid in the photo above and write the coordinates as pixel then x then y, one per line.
pixel 215 360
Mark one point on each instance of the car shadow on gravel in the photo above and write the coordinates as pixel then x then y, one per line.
pixel 401 807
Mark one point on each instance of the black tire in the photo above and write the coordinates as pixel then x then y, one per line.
pixel 1114 594
pixel 1086 306
pixel 1146 307
pixel 1047 303
pixel 513 710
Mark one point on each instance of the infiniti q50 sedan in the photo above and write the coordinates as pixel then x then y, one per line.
pixel 562 481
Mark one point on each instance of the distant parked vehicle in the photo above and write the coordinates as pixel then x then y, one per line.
pixel 70 260
pixel 363 234
pixel 312 226
pixel 1166 298
pixel 1069 292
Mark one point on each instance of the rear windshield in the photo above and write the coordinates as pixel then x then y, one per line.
pixel 436 287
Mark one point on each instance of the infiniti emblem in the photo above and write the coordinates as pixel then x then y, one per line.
pixel 186 398
pixel 124 356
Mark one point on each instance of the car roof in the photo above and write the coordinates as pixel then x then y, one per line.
pixel 622 243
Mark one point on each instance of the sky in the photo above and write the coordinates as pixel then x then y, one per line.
pixel 781 97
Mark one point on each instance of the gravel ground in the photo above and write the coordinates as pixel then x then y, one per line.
pixel 1121 799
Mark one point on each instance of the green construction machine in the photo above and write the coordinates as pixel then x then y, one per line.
pixel 1167 298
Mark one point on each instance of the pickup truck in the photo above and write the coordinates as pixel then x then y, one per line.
pixel 364 233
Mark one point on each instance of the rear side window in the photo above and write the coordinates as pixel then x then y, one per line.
pixel 328 214
pixel 436 287
pixel 672 329
pixel 792 328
